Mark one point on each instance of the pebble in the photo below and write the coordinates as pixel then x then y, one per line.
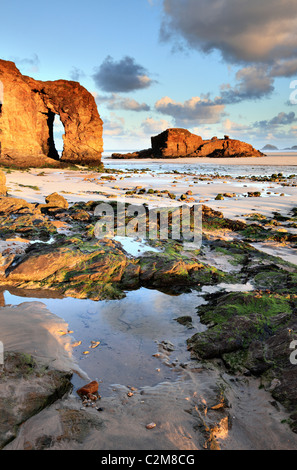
pixel 151 426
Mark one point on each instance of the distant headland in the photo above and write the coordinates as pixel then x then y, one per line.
pixel 270 148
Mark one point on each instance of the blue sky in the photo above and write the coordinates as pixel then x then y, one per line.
pixel 214 67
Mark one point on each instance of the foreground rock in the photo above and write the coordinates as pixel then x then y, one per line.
pixel 30 106
pixel 20 217
pixel 180 143
pixel 101 269
pixel 26 388
pixel 252 333
pixel 82 266
pixel 56 200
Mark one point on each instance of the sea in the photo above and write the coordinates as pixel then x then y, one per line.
pixel 285 163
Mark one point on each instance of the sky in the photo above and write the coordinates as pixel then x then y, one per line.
pixel 214 67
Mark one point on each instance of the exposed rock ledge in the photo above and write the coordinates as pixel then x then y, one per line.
pixel 179 143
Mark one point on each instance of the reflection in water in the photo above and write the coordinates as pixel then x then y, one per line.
pixel 30 328
pixel 129 331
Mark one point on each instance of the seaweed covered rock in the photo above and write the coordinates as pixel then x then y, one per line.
pixel 18 216
pixel 253 334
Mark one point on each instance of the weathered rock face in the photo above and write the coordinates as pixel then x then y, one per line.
pixel 27 115
pixel 174 143
pixel 224 148
pixel 3 189
pixel 56 200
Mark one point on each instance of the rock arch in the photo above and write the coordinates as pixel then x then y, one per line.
pixel 26 120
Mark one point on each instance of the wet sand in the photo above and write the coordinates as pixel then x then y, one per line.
pixel 175 407
pixel 175 398
pixel 85 185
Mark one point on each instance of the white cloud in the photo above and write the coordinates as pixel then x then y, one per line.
pixel 196 110
pixel 114 127
pixel 235 128
pixel 151 126
pixel 30 64
pixel 116 101
pixel 253 82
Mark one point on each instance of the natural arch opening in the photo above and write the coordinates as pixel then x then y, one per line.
pixel 55 140
pixel 59 131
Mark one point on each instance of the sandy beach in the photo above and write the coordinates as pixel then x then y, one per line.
pixel 34 185
pixel 148 228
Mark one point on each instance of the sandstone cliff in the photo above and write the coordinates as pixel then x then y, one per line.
pixel 179 143
pixel 27 111
pixel 3 189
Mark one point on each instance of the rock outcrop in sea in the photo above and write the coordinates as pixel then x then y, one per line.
pixel 27 111
pixel 180 143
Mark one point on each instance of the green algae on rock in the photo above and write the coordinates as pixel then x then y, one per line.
pixel 252 333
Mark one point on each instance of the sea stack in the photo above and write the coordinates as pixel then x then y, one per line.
pixel 27 111
pixel 180 143
pixel 175 143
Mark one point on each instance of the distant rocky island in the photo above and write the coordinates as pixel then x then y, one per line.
pixel 270 147
pixel 27 112
pixel 292 148
pixel 180 143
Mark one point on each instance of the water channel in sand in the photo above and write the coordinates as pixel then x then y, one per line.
pixel 129 330
pixel 131 333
